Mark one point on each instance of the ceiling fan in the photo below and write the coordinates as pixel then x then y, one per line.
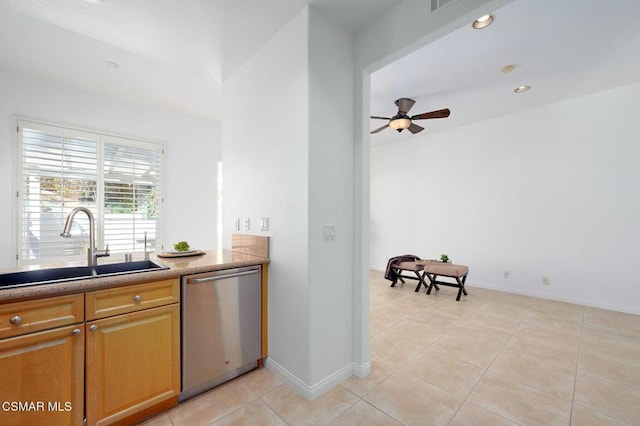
pixel 402 121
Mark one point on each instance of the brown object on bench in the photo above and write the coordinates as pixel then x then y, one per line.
pixel 433 269
pixel 407 262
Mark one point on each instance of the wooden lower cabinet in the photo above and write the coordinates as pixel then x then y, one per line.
pixel 132 365
pixel 119 367
pixel 42 377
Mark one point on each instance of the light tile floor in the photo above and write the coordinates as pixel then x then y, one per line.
pixel 491 359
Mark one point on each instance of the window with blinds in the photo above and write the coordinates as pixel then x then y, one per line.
pixel 118 179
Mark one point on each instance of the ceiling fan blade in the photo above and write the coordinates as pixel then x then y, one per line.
pixel 414 128
pixel 404 104
pixel 380 118
pixel 379 129
pixel 441 113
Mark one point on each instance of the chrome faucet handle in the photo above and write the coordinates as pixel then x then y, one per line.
pixel 146 253
pixel 103 253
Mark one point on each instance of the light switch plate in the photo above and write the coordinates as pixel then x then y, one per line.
pixel 328 232
pixel 264 223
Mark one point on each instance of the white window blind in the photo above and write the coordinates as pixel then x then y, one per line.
pixel 118 179
pixel 132 185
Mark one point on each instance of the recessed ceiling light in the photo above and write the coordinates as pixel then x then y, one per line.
pixel 113 65
pixel 483 22
pixel 507 68
pixel 522 89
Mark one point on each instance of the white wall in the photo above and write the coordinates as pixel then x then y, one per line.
pixel 551 192
pixel 265 166
pixel 292 161
pixel 192 151
pixel 330 197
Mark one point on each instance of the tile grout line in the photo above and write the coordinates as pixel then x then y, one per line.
pixel 269 405
pixel 399 369
pixel 358 399
pixel 489 366
pixel 371 404
pixel 575 373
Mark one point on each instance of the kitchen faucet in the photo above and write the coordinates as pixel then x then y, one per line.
pixel 92 253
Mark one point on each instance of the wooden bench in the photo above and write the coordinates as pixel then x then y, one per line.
pixel 410 266
pixel 432 269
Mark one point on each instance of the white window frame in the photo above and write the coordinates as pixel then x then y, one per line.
pixel 102 139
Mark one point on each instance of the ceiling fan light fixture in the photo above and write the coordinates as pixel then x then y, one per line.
pixel 400 124
pixel 483 22
pixel 521 89
pixel 402 120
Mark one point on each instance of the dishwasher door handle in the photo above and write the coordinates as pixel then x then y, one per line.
pixel 221 277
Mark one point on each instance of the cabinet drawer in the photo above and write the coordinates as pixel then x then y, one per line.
pixel 121 300
pixel 35 315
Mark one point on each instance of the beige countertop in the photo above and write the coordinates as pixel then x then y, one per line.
pixel 212 260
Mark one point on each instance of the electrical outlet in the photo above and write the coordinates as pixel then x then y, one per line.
pixel 236 225
pixel 507 274
pixel 247 224
pixel 545 280
pixel 328 232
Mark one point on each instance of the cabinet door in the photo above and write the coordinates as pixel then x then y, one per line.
pixel 133 364
pixel 42 378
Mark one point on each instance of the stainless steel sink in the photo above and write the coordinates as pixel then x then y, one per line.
pixel 58 275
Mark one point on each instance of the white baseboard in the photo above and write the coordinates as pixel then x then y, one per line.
pixel 544 295
pixel 363 370
pixel 573 300
pixel 314 391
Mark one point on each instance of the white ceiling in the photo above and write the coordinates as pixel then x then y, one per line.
pixel 562 49
pixel 172 53
pixel 175 53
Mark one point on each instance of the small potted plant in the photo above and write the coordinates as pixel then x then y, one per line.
pixel 444 258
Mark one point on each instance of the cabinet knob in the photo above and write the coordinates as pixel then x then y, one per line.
pixel 93 327
pixel 137 298
pixel 76 332
pixel 16 320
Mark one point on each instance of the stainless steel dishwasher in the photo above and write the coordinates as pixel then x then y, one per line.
pixel 221 327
